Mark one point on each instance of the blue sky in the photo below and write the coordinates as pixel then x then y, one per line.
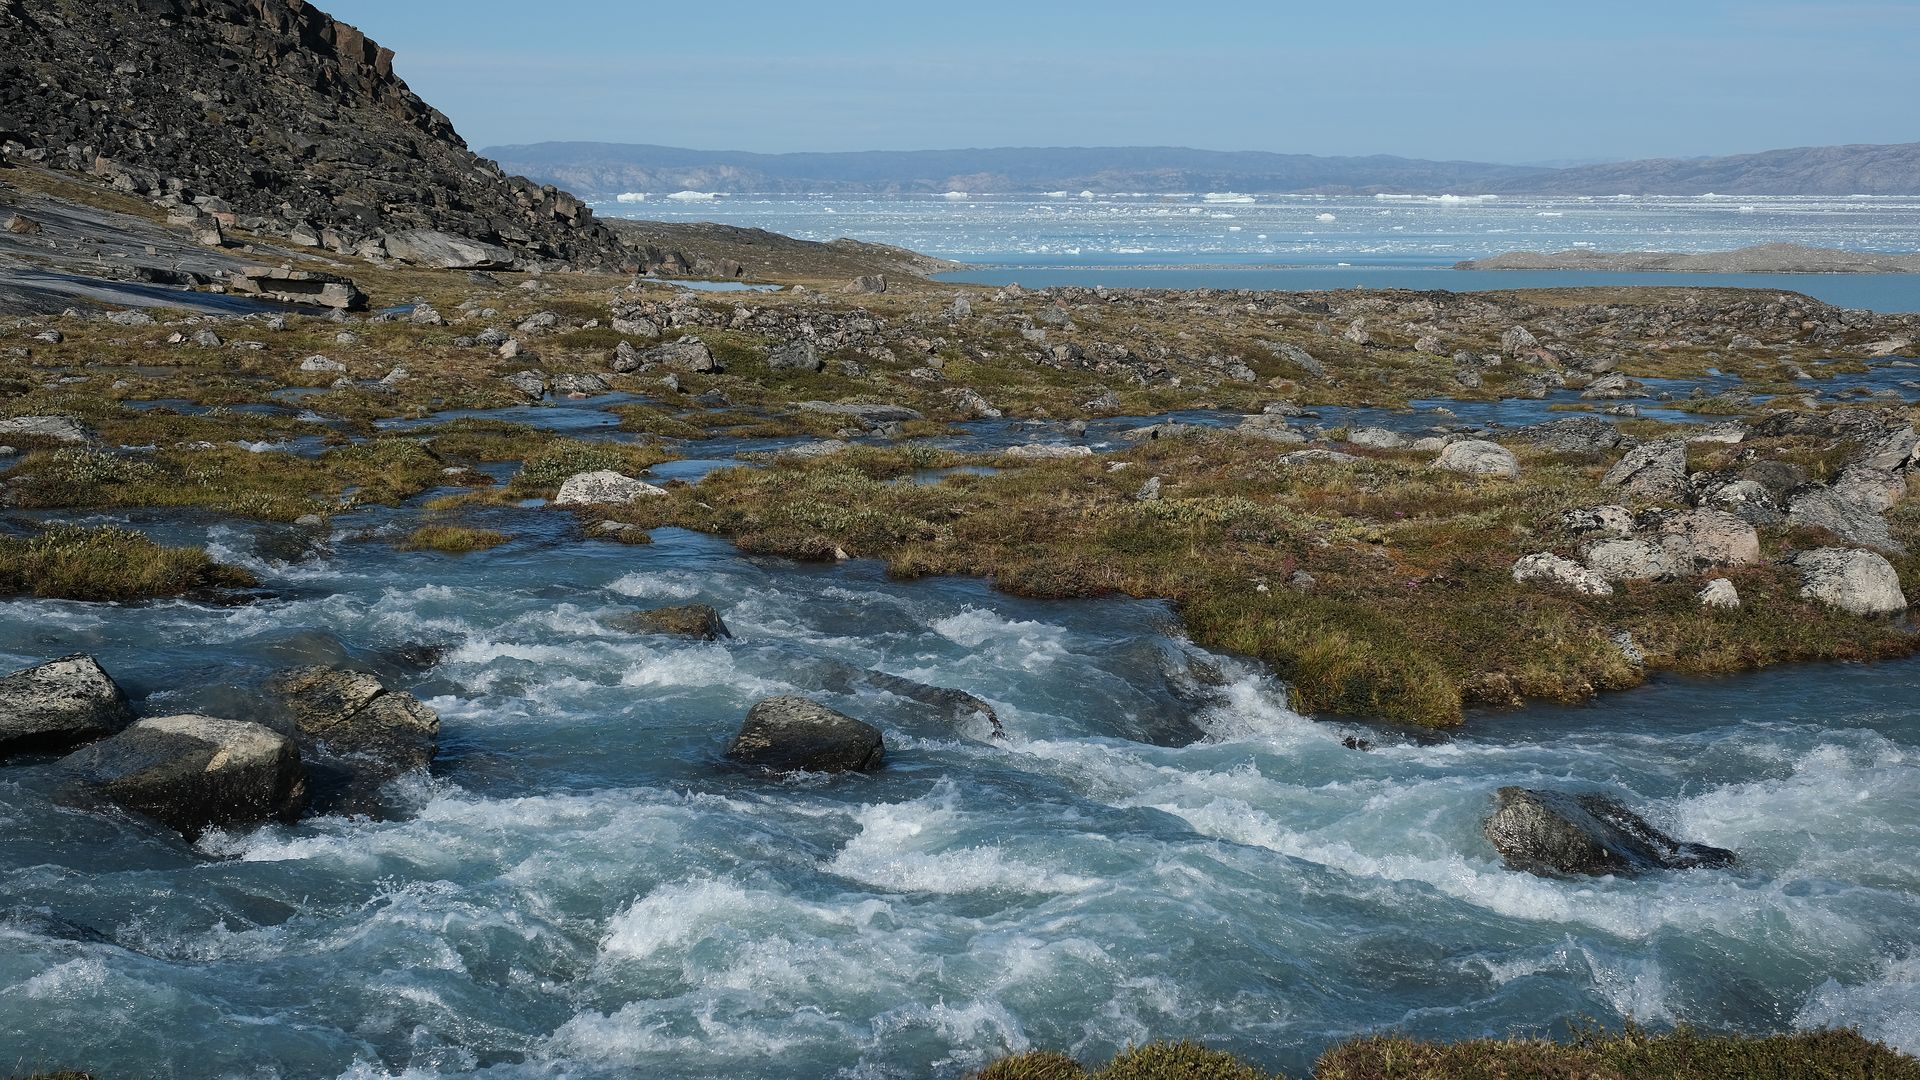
pixel 1496 81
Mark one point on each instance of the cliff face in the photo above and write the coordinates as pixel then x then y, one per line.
pixel 294 121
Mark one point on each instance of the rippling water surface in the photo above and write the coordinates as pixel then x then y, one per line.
pixel 1159 848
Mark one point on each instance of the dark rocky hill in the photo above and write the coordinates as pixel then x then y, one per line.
pixel 273 116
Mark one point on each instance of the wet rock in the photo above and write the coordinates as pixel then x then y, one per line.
pixel 1860 582
pixel 796 355
pixel 1477 457
pixel 352 713
pixel 1550 569
pixel 192 773
pixel 59 705
pixel 789 734
pixel 698 621
pixel 1553 833
pixel 1655 470
pixel 604 488
pixel 957 706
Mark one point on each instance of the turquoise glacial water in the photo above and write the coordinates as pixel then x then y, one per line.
pixel 1159 848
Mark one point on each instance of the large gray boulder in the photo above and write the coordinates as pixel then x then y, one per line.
pixel 793 734
pixel 604 488
pixel 427 247
pixel 1698 539
pixel 1860 582
pixel 687 354
pixel 1655 470
pixel 1629 559
pixel 192 773
pixel 1834 511
pixel 796 355
pixel 1575 435
pixel 59 705
pixel 57 428
pixel 1478 457
pixel 1553 833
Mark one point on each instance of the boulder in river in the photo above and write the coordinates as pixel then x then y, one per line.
pixel 603 488
pixel 59 705
pixel 351 712
pixel 699 621
pixel 192 773
pixel 1554 833
pixel 791 734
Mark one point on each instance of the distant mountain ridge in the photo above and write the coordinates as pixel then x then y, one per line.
pixel 606 169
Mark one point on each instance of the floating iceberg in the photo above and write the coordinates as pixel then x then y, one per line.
pixel 631 196
pixel 1226 197
pixel 956 195
pixel 694 196
pixel 1324 217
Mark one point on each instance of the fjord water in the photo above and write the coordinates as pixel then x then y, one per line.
pixel 1307 242
pixel 1159 848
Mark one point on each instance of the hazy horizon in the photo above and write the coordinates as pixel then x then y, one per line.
pixel 1506 83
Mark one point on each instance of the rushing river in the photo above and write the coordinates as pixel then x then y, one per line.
pixel 1159 847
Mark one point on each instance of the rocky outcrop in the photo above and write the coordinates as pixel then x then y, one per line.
pixel 297 287
pixel 698 621
pixel 271 116
pixel 192 773
pixel 604 488
pixel 793 734
pixel 59 705
pixel 1860 582
pixel 1553 833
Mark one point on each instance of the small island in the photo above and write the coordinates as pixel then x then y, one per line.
pixel 1756 259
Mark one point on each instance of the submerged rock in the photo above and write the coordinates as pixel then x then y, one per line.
pixel 957 705
pixel 59 705
pixel 789 734
pixel 192 773
pixel 688 620
pixel 1552 833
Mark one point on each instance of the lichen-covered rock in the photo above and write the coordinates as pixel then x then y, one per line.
pixel 1655 470
pixel 1834 511
pixel 796 355
pixel 1698 539
pixel 604 488
pixel 687 354
pixel 1599 521
pixel 699 621
pixel 1378 438
pixel 1575 435
pixel 1478 457
pixel 1547 568
pixel 1719 593
pixel 793 734
pixel 59 705
pixel 1860 582
pixel 57 428
pixel 193 773
pixel 1629 559
pixel 1553 833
